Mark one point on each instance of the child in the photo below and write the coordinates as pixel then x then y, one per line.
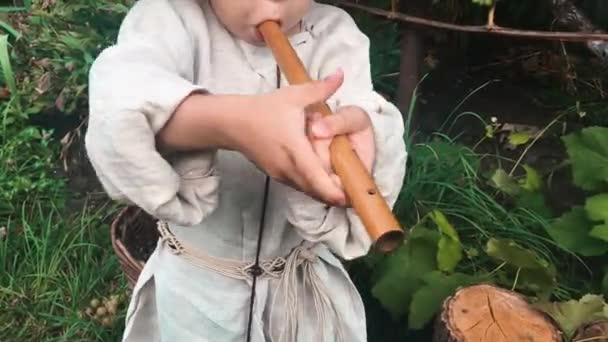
pixel 191 120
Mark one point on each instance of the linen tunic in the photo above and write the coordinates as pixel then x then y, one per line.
pixel 212 200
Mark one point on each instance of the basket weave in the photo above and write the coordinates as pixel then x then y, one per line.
pixel 128 227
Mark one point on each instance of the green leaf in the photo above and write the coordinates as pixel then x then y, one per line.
pixel 503 182
pixel 534 201
pixel 8 28
pixel 588 152
pixel 514 254
pixel 572 314
pixel 597 207
pixel 449 251
pixel 5 65
pixel 571 232
pixel 427 301
pixel 401 272
pixel 533 181
pixel 600 232
pixel 533 272
pixel 519 138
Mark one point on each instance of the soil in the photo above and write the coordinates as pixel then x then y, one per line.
pixel 516 84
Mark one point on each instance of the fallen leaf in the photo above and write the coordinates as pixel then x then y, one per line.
pixel 44 83
pixel 4 93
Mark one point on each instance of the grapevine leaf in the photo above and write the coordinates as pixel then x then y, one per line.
pixel 428 299
pixel 588 152
pixel 403 271
pixel 449 251
pixel 597 207
pixel 571 231
pixel 572 314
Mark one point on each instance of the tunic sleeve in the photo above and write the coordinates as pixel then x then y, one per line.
pixel 134 87
pixel 341 229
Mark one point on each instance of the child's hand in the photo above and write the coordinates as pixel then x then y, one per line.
pixel 272 134
pixel 351 121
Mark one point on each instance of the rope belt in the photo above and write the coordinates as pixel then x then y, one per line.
pixel 284 269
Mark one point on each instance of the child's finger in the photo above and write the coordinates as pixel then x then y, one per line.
pixel 317 179
pixel 338 182
pixel 310 118
pixel 342 122
pixel 318 91
pixel 321 148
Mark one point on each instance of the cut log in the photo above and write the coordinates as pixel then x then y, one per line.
pixel 596 332
pixel 486 313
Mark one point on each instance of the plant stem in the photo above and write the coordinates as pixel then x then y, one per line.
pixel 491 16
pixel 496 30
pixel 540 134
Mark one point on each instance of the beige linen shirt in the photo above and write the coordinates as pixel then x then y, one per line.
pixel 212 200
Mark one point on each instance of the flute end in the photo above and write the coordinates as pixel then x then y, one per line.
pixel 390 240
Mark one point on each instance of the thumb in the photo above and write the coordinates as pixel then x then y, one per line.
pixel 320 90
pixel 339 123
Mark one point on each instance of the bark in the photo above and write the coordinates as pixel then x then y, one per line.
pixel 412 57
pixel 596 332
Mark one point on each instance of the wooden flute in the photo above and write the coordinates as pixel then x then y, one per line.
pixel 368 203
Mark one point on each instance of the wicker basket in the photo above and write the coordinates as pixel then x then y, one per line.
pixel 134 235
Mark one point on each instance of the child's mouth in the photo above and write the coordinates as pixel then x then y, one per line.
pixel 258 36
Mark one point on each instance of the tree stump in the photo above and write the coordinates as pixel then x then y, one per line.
pixel 486 313
pixel 596 332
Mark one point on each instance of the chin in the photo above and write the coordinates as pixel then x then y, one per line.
pixel 257 43
pixel 254 37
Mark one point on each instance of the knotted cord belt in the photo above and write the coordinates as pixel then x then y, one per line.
pixel 284 269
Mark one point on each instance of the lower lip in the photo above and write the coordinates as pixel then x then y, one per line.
pixel 259 36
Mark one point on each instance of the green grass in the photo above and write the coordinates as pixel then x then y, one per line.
pixel 446 176
pixel 54 260
pixel 55 257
